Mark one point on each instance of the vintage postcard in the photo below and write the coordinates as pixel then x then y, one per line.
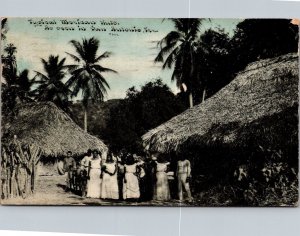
pixel 149 112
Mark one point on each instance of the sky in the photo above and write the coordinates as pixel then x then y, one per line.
pixel 132 55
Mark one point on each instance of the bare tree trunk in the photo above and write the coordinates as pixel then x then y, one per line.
pixel 32 179
pixel 191 99
pixel 17 178
pixel 203 95
pixel 85 119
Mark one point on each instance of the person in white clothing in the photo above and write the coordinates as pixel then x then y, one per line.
pixel 131 189
pixel 109 188
pixel 161 187
pixel 183 177
pixel 94 173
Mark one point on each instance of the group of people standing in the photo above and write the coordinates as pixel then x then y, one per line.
pixel 130 177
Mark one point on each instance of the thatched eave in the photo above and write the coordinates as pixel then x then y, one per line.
pixel 264 88
pixel 46 126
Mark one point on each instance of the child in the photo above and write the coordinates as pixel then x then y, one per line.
pixel 86 160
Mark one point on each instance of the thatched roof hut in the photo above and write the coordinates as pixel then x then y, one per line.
pixel 48 127
pixel 265 88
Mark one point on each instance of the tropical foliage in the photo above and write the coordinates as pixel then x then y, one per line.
pixel 256 39
pixel 206 62
pixel 86 74
pixel 16 87
pixel 202 63
pixel 178 50
pixel 3 28
pixel 213 70
pixel 140 111
pixel 51 86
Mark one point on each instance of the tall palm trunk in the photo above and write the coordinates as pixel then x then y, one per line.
pixel 203 94
pixel 191 99
pixel 85 119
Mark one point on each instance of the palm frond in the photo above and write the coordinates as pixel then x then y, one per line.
pixel 78 48
pixel 102 56
pixel 41 76
pixel 75 58
pixel 45 64
pixel 90 48
pixel 165 50
pixel 171 37
pixel 171 58
pixel 71 68
pixel 100 78
pixel 75 77
pixel 61 63
pixel 102 69
pixel 98 90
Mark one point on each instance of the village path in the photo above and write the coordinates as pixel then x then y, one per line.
pixel 50 190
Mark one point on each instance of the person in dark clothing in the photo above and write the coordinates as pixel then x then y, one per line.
pixel 120 172
pixel 148 180
pixel 69 167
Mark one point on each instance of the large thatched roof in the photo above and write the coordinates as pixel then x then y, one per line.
pixel 48 127
pixel 264 88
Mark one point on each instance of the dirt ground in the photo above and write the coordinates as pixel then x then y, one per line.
pixel 50 190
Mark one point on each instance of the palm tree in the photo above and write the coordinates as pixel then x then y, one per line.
pixel 16 87
pixel 86 75
pixel 213 62
pixel 178 50
pixel 9 58
pixel 50 84
pixel 3 28
pixel 24 85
